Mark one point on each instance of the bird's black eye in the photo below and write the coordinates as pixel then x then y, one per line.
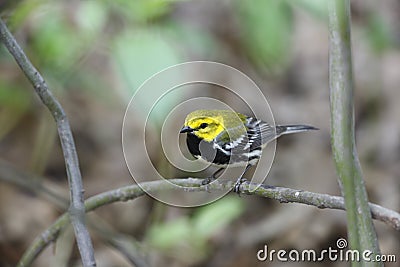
pixel 203 125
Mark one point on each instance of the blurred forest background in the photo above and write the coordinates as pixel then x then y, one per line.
pixel 95 54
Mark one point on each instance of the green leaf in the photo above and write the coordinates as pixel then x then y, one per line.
pixel 91 17
pixel 168 235
pixel 266 28
pixel 142 11
pixel 187 237
pixel 140 55
pixel 14 103
pixel 378 33
pixel 55 42
pixel 23 10
pixel 215 216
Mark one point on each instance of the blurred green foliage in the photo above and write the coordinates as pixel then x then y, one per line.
pixel 14 102
pixel 266 28
pixel 95 46
pixel 187 237
pixel 131 40
pixel 143 11
pixel 317 8
pixel 378 33
pixel 139 55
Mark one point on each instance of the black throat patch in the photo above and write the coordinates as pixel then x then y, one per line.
pixel 199 147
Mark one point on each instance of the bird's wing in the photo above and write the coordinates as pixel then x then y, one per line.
pixel 255 134
pixel 259 133
pixel 233 138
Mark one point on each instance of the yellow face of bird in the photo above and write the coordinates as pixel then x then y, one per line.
pixel 207 128
pixel 209 124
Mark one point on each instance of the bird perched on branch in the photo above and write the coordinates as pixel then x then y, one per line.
pixel 227 138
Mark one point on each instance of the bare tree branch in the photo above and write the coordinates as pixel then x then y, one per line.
pixel 76 208
pixel 283 195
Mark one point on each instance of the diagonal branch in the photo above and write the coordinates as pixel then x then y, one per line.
pixel 283 195
pixel 76 209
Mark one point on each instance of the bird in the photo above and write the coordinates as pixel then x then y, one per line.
pixel 227 138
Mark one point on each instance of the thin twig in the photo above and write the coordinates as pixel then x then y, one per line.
pixel 283 195
pixel 76 208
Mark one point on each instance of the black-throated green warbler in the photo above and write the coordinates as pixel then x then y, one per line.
pixel 227 138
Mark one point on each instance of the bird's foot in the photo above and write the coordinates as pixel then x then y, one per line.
pixel 237 185
pixel 208 180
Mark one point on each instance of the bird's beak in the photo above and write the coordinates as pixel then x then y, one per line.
pixel 186 129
